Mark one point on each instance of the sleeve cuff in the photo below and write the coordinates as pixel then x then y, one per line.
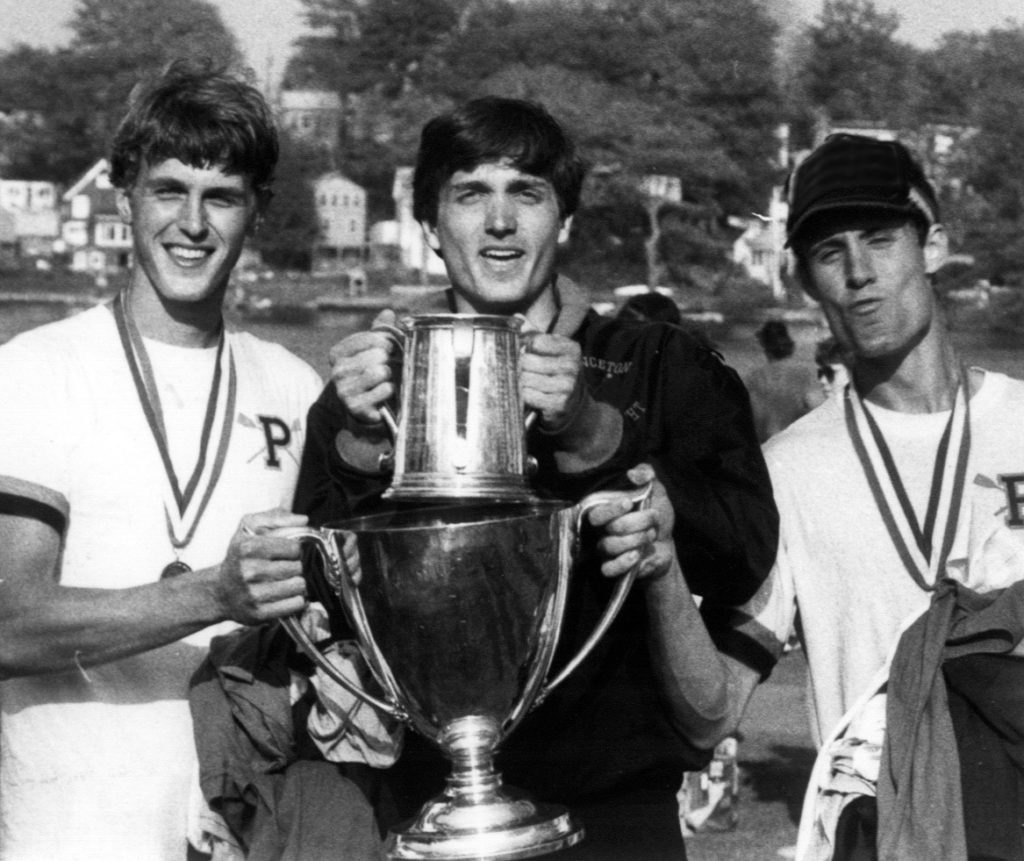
pixel 740 636
pixel 589 440
pixel 20 498
pixel 363 448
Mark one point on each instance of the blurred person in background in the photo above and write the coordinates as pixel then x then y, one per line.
pixel 833 366
pixel 651 307
pixel 784 388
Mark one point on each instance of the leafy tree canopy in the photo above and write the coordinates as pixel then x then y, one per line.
pixel 667 86
pixel 856 68
pixel 68 101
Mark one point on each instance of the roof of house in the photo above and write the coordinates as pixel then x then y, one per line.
pixel 90 176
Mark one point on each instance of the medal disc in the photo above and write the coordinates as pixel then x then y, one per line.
pixel 174 569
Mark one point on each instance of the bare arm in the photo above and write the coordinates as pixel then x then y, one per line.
pixel 706 691
pixel 46 627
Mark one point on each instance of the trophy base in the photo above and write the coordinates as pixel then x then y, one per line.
pixel 499 830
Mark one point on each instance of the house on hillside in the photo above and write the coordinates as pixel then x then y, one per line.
pixel 92 230
pixel 32 209
pixel 8 240
pixel 341 214
pixel 314 116
pixel 404 233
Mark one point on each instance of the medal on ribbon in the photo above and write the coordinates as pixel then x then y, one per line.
pixel 915 542
pixel 183 505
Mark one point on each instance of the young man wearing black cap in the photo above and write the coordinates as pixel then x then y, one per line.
pixel 904 486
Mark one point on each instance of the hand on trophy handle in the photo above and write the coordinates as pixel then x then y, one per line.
pixel 637 538
pixel 261 577
pixel 337 570
pixel 362 372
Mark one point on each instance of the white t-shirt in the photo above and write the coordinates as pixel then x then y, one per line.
pixel 837 564
pixel 99 765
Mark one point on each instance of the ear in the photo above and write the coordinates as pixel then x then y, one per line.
pixel 124 205
pixel 804 279
pixel 431 237
pixel 563 232
pixel 936 248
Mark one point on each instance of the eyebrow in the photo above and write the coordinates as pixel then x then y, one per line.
pixel 518 184
pixel 828 243
pixel 176 184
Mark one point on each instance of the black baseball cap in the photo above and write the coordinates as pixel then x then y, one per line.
pixel 856 172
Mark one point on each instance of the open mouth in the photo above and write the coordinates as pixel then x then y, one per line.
pixel 188 255
pixel 502 255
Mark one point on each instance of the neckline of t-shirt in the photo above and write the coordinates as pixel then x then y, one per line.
pixel 179 353
pixel 991 385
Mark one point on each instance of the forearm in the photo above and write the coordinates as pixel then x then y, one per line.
pixel 49 628
pixel 706 697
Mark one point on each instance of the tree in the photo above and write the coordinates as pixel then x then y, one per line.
pixel 72 98
pixel 377 46
pixel 289 229
pixel 678 87
pixel 856 68
pixel 994 153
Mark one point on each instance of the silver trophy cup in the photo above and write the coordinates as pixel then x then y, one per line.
pixel 459 431
pixel 457 611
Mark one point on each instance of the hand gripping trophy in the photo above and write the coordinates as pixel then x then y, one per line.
pixel 457 605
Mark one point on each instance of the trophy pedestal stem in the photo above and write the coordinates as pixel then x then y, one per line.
pixel 476 817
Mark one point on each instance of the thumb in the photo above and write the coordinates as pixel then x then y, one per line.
pixel 641 474
pixel 384 319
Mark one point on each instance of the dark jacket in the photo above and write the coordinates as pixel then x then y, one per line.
pixel 606 732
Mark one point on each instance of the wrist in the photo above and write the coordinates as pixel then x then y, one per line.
pixel 589 438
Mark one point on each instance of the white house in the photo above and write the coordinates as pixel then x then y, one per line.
pixel 92 230
pixel 341 214
pixel 311 115
pixel 405 231
pixel 32 209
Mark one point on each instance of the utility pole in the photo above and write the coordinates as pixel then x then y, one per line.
pixel 658 189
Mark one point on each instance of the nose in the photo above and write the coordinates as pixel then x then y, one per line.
pixel 192 216
pixel 859 267
pixel 501 217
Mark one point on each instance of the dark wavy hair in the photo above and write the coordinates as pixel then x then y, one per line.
pixel 201 115
pixel 489 129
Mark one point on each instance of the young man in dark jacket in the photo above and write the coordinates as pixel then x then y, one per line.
pixel 496 184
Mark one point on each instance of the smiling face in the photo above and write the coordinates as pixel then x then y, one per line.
pixel 498 230
pixel 870 274
pixel 188 227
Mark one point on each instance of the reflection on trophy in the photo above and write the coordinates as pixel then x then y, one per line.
pixel 457 608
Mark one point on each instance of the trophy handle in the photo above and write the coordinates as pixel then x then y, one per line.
pixel 397 337
pixel 641 500
pixel 291 624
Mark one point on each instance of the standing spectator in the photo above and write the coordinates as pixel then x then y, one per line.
pixel 651 307
pixel 784 388
pixel 833 367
